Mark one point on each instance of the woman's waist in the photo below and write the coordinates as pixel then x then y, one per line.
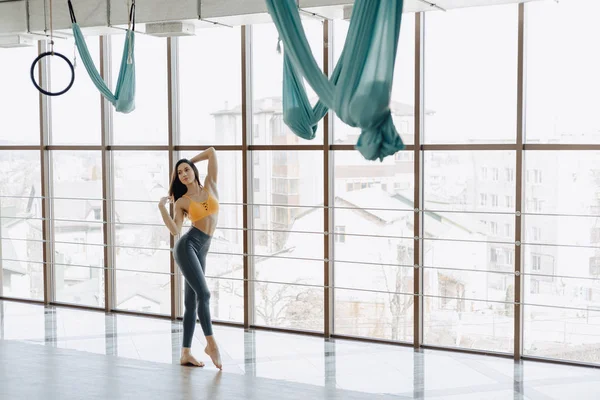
pixel 199 232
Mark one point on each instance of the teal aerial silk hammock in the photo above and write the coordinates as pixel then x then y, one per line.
pixel 124 97
pixel 359 90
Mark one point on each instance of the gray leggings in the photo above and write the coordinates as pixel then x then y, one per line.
pixel 190 254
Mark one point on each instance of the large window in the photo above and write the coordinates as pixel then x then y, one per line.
pixel 475 198
pixel 558 56
pixel 467 260
pixel 21 260
pixel 78 227
pixel 287 243
pixel 560 253
pixel 76 114
pixel 19 111
pixel 149 123
pixel 471 75
pixel 211 88
pixel 267 73
pixel 141 240
pixel 373 251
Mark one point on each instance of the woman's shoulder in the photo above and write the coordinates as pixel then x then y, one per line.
pixel 182 202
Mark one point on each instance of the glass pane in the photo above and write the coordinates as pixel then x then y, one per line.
pixel 461 271
pixel 403 89
pixel 474 283
pixel 471 75
pixel 390 181
pixel 368 314
pixel 227 288
pixel 79 285
pixel 568 112
pixel 546 289
pixel 470 196
pixel 564 230
pixel 562 334
pixel 373 224
pixel 296 261
pixel 570 189
pixel 141 239
pixel 142 248
pixel 482 181
pixel 211 90
pixel 467 324
pixel 485 243
pixel 562 256
pixel 286 186
pixel 76 115
pixel 146 293
pixel 20 117
pixel 21 259
pixel 292 178
pixel 267 86
pixel 475 254
pixel 78 227
pixel 289 306
pixel 149 123
pixel 141 179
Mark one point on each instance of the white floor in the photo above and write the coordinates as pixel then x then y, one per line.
pixel 68 353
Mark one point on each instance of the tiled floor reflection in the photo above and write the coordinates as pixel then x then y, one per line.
pixel 336 364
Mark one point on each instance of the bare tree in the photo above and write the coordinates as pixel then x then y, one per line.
pixel 277 305
pixel 272 303
pixel 395 285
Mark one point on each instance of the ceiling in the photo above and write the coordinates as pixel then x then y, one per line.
pixel 21 17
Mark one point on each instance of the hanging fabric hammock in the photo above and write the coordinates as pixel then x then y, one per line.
pixel 360 87
pixel 124 97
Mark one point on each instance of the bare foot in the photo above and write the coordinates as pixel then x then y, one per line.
pixel 189 360
pixel 215 356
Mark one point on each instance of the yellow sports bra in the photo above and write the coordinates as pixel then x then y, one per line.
pixel 199 210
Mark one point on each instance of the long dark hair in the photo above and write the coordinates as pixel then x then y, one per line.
pixel 177 188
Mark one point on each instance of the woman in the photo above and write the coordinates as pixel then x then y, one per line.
pixel 200 204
